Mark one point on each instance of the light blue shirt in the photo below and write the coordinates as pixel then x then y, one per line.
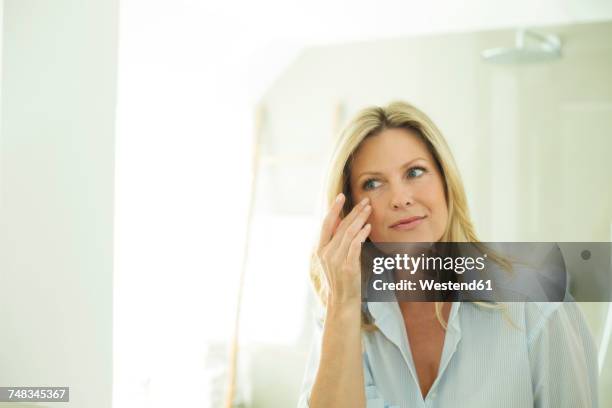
pixel 546 359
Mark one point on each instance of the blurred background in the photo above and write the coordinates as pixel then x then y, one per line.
pixel 157 156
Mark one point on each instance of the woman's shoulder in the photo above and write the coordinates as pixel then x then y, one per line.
pixel 558 317
pixel 530 317
pixel 540 311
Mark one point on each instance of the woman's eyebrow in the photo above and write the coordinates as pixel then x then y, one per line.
pixel 377 173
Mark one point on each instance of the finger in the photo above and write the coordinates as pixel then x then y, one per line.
pixel 354 251
pixel 346 222
pixel 335 228
pixel 353 230
pixel 331 220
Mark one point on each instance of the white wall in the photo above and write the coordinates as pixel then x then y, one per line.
pixel 56 196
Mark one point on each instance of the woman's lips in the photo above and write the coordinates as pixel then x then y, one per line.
pixel 409 225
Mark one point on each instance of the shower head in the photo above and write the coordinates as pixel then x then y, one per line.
pixel 541 48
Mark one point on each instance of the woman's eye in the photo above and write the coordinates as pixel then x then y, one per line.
pixel 416 172
pixel 371 184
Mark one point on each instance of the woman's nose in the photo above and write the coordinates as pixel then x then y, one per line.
pixel 401 197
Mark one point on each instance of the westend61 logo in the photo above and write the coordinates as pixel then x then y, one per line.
pixel 412 264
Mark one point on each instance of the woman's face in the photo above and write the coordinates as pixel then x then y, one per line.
pixel 399 175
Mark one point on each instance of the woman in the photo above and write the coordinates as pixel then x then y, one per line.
pixel 393 179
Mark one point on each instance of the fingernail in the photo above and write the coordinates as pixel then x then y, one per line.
pixel 339 197
pixel 364 201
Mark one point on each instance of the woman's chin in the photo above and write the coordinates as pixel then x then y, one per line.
pixel 403 241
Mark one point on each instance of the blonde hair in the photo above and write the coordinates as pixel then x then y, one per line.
pixel 370 122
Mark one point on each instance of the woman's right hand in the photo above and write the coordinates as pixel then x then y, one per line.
pixel 339 251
